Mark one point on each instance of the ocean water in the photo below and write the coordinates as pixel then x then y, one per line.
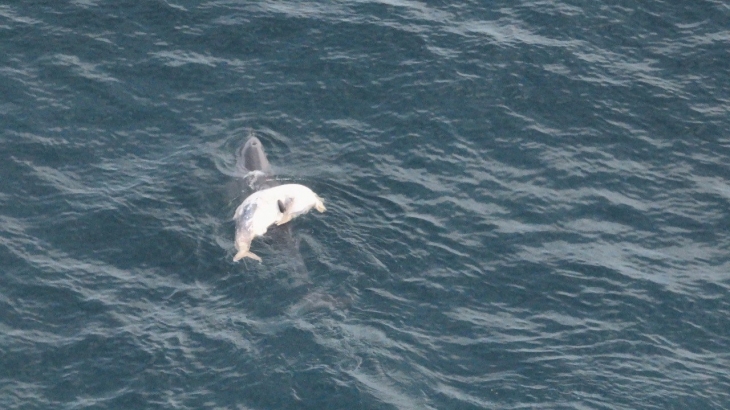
pixel 528 205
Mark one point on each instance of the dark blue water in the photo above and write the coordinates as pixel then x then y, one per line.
pixel 528 205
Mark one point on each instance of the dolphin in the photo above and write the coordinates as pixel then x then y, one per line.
pixel 276 205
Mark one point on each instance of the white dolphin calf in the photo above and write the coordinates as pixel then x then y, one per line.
pixel 277 205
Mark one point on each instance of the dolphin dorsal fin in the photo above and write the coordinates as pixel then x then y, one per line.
pixel 285 215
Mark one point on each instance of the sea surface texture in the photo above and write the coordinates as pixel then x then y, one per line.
pixel 528 205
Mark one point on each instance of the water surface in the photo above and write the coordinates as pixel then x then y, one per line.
pixel 528 205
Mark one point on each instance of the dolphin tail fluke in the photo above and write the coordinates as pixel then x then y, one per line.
pixel 246 254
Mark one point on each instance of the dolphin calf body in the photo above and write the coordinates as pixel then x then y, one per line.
pixel 277 205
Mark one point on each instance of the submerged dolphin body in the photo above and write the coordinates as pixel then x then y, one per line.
pixel 277 205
